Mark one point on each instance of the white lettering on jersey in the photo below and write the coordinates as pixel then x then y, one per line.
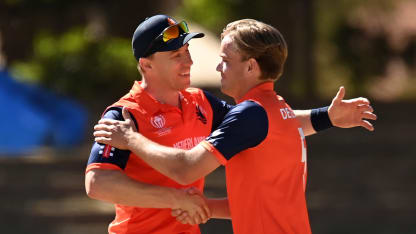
pixel 287 113
pixel 188 143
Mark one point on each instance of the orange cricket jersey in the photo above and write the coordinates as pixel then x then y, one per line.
pixel 169 126
pixel 266 182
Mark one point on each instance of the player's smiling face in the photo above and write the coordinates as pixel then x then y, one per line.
pixel 232 68
pixel 174 67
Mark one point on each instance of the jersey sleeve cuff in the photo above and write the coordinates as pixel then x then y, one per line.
pixel 104 166
pixel 208 146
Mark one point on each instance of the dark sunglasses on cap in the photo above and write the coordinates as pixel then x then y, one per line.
pixel 169 33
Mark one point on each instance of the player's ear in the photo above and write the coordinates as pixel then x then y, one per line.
pixel 253 66
pixel 145 64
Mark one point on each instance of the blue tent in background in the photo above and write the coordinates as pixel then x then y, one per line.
pixel 32 116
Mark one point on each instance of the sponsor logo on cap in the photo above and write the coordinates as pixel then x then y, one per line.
pixel 171 21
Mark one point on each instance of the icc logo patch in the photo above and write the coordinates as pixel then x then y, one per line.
pixel 158 121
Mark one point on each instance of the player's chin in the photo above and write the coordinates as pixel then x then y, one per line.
pixel 225 91
pixel 184 84
pixel 186 80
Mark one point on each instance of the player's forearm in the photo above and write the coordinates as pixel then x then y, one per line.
pixel 304 117
pixel 219 208
pixel 174 163
pixel 115 187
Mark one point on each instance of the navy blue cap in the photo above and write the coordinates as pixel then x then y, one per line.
pixel 151 28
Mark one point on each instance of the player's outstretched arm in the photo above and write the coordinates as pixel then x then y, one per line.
pixel 341 113
pixel 183 166
pixel 304 118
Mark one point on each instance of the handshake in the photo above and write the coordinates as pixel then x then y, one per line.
pixel 191 207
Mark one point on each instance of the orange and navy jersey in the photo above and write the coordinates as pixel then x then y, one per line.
pixel 263 148
pixel 170 126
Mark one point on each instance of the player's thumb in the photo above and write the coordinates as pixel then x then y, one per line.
pixel 126 115
pixel 340 95
pixel 176 212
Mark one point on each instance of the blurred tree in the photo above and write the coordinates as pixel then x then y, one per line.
pixel 75 64
pixel 212 14
pixel 367 45
pixel 365 56
pixel 78 48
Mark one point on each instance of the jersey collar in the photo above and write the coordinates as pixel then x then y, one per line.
pixel 152 106
pixel 258 90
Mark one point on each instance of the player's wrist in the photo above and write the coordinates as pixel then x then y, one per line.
pixel 320 119
pixel 177 198
pixel 131 139
pixel 211 203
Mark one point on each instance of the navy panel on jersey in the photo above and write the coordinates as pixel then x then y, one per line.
pixel 246 125
pixel 219 109
pixel 100 153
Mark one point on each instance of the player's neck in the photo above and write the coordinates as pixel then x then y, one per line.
pixel 162 94
pixel 245 88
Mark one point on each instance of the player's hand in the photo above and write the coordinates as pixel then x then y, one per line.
pixel 192 208
pixel 351 113
pixel 183 217
pixel 115 133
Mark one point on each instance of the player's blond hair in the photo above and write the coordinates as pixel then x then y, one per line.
pixel 263 42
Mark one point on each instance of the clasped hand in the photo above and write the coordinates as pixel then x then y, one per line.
pixel 193 208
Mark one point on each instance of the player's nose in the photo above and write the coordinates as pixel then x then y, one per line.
pixel 219 67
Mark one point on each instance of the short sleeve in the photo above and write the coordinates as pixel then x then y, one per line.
pixel 219 109
pixel 244 126
pixel 105 156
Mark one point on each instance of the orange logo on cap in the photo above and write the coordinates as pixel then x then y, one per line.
pixel 171 21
